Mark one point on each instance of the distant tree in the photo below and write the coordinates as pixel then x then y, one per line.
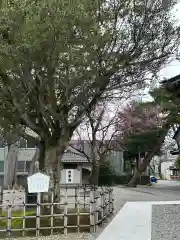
pixel 163 114
pixel 141 132
pixel 177 163
pixel 98 128
pixel 106 173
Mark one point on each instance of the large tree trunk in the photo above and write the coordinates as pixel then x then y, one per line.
pixel 94 178
pixel 97 162
pixel 35 159
pixel 159 169
pixel 135 179
pixel 10 166
pixel 53 157
pixel 39 157
pixel 42 156
pixel 147 159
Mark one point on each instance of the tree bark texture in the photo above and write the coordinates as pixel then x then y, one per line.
pixel 39 156
pixel 135 179
pixel 10 166
pixel 35 159
pixel 147 159
pixel 94 178
pixel 159 169
pixel 53 165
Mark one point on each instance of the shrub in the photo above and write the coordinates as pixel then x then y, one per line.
pixel 177 163
pixel 106 174
pixel 123 179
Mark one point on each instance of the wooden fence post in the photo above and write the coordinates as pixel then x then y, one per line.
pixel 9 219
pixel 24 215
pixel 102 204
pixel 38 213
pixel 52 212
pixel 76 190
pixel 78 210
pixel 92 212
pixel 96 205
pixel 65 212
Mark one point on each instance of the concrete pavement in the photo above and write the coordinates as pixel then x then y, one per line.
pixel 162 191
pixel 137 209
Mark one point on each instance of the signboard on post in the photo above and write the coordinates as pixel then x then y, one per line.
pixel 69 176
pixel 38 183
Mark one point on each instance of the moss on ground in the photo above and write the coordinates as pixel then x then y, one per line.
pixel 45 221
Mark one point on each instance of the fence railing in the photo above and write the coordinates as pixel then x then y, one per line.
pixel 80 209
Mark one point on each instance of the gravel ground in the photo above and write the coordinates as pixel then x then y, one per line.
pixel 56 237
pixel 165 222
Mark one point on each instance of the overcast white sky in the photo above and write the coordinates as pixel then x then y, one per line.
pixel 168 71
pixel 171 69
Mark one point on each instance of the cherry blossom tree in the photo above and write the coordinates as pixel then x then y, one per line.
pixel 141 127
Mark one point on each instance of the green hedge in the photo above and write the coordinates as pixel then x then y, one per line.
pixel 111 179
pixel 106 174
pixel 123 179
pixel 106 179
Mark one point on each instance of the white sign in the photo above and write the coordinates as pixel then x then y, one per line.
pixel 69 176
pixel 38 183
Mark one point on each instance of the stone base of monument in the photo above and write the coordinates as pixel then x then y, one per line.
pixel 13 198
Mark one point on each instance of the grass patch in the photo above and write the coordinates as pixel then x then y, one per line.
pixel 45 221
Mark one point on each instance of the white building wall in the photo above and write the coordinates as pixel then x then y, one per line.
pixel 77 176
pixel 167 160
pixel 23 155
pixel 165 169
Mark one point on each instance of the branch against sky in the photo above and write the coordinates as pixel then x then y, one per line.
pixel 99 128
pixel 57 65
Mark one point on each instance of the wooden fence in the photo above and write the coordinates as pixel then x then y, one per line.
pixel 80 209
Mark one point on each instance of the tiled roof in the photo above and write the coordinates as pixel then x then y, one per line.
pixel 172 80
pixel 172 84
pixel 73 156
